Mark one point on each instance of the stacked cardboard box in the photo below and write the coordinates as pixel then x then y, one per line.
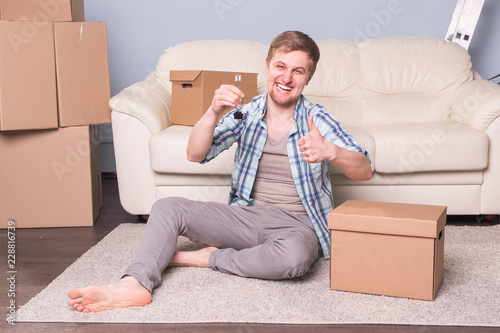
pixel 54 90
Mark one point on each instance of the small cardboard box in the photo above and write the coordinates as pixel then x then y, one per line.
pixel 42 10
pixel 50 178
pixel 193 91
pixel 387 249
pixel 82 68
pixel 27 77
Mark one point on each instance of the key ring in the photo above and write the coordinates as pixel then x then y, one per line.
pixel 238 115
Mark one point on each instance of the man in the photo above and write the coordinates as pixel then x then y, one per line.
pixel 275 226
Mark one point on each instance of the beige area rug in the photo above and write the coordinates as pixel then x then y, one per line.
pixel 469 295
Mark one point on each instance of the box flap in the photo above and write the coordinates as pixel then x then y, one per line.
pixel 184 76
pixel 388 218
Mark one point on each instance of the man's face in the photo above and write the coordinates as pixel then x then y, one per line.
pixel 287 75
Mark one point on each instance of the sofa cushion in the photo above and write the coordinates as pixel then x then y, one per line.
pixel 474 177
pixel 365 140
pixel 168 154
pixel 436 146
pixel 175 179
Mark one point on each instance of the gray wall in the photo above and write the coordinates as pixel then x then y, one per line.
pixel 140 30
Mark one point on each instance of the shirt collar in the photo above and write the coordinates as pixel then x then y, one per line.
pixel 299 107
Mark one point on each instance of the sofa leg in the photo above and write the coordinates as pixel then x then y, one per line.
pixel 488 218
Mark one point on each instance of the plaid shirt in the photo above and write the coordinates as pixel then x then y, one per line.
pixel 311 179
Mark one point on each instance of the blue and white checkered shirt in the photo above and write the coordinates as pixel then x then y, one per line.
pixel 311 179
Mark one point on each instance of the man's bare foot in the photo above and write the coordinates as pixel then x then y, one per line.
pixel 120 294
pixel 192 258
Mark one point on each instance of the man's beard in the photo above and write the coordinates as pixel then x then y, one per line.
pixel 282 102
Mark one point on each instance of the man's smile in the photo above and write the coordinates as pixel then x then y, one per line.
pixel 284 87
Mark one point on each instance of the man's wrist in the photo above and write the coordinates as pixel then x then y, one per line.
pixel 210 117
pixel 331 152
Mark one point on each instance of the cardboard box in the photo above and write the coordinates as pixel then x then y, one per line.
pixel 82 67
pixel 50 178
pixel 27 77
pixel 387 248
pixel 193 91
pixel 42 10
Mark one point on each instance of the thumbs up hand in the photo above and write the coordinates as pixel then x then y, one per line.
pixel 313 147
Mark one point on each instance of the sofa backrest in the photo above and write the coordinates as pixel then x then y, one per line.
pixel 370 83
pixel 389 80
pixel 336 82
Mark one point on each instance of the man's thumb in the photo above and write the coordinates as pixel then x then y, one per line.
pixel 312 127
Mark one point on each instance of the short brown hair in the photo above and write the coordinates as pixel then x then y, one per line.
pixel 292 41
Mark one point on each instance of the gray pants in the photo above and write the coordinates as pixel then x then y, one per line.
pixel 264 242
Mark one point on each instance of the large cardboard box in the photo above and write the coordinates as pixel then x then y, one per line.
pixel 193 91
pixel 42 10
pixel 50 178
pixel 387 248
pixel 82 67
pixel 27 77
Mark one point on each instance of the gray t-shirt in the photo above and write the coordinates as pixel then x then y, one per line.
pixel 274 183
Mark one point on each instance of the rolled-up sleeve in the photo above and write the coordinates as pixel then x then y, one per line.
pixel 334 132
pixel 226 133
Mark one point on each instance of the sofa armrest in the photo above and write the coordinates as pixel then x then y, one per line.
pixel 148 101
pixel 477 104
pixel 138 112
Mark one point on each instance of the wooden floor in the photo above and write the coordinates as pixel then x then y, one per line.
pixel 43 254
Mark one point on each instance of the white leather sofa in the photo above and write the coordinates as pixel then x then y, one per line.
pixel 429 122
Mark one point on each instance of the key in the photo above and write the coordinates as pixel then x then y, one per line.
pixel 238 114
